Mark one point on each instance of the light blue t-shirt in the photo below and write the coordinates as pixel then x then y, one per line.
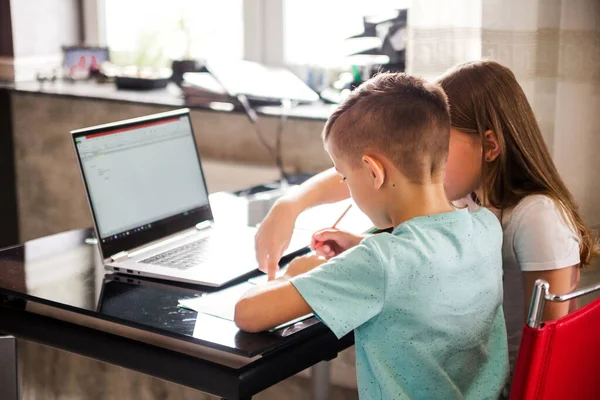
pixel 425 304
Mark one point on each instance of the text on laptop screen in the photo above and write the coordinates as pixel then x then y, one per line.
pixel 141 174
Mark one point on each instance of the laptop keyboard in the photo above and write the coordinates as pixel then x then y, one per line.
pixel 183 257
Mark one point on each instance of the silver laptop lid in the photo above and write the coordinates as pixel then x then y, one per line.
pixel 260 82
pixel 143 178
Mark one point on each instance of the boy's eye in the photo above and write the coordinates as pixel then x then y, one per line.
pixel 343 178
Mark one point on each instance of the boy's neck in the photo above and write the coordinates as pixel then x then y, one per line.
pixel 414 200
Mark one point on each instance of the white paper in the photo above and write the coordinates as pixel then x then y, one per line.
pixel 218 304
pixel 321 217
pixel 221 304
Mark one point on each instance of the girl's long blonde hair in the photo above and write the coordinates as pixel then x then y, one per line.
pixel 485 95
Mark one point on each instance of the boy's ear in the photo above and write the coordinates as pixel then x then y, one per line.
pixel 376 170
pixel 491 147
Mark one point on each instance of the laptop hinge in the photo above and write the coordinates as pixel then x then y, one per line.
pixel 119 256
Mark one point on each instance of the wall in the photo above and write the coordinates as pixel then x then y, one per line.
pixel 553 47
pixel 6 43
pixel 39 30
pixel 50 374
pixel 442 34
pixel 577 122
pixel 8 219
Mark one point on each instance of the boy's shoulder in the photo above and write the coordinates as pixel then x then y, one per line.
pixel 487 228
pixel 486 217
pixel 480 224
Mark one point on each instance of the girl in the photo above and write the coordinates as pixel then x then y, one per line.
pixel 497 159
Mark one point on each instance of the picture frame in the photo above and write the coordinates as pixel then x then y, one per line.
pixel 80 61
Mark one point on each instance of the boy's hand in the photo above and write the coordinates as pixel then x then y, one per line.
pixel 333 242
pixel 304 264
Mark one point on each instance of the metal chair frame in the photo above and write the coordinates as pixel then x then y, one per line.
pixel 541 294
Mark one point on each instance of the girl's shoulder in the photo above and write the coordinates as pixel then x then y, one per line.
pixel 537 215
pixel 537 231
pixel 534 199
pixel 535 207
pixel 532 209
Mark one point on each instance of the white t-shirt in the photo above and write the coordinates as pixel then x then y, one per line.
pixel 537 237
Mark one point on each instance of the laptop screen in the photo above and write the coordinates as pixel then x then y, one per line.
pixel 144 179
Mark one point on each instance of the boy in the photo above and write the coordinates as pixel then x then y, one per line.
pixel 424 302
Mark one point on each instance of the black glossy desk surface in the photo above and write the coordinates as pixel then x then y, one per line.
pixel 66 272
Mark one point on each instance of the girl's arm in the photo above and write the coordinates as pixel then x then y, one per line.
pixel 275 231
pixel 561 281
pixel 547 248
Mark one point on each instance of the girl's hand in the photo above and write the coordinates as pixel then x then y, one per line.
pixel 274 235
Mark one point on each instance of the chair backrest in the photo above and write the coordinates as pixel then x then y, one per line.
pixel 559 359
pixel 9 383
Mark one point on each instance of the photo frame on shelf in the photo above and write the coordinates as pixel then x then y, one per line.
pixel 81 61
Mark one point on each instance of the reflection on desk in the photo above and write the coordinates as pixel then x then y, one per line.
pixel 63 273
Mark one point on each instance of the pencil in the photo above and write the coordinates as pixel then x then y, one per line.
pixel 335 224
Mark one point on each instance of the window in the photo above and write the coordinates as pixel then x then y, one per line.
pixel 153 32
pixel 315 30
pixel 276 32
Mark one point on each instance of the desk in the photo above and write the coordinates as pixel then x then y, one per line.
pixel 139 325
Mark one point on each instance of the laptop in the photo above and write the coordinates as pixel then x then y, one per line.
pixel 259 82
pixel 149 202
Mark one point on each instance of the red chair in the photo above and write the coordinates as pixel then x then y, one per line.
pixel 559 359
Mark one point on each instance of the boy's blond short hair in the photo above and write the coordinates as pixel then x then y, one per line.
pixel 403 117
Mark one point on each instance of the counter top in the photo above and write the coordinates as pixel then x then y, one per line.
pixel 171 96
